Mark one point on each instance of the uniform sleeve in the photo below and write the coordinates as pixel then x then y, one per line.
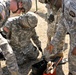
pixel 13 20
pixel 7 27
pixel 60 34
pixel 35 39
pixel 2 12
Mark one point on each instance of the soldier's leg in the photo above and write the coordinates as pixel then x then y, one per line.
pixel 10 59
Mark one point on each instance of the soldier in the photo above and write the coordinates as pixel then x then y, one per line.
pixel 67 23
pixel 22 31
pixel 54 12
pixel 52 17
pixel 16 6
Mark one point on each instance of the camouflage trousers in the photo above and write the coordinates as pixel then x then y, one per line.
pixel 9 55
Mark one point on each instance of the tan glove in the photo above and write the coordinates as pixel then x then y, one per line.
pixel 74 51
pixel 50 48
pixel 47 52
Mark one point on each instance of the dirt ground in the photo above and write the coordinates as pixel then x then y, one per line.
pixel 41 30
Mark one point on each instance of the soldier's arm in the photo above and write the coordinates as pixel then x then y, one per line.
pixel 32 20
pixel 60 33
pixel 5 30
pixel 2 12
pixel 36 40
pixel 58 37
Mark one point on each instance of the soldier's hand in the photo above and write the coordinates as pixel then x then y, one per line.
pixel 40 49
pixel 74 51
pixel 50 48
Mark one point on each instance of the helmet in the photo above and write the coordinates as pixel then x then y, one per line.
pixel 27 4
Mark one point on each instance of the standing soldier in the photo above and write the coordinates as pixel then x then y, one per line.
pixel 67 23
pixel 16 6
pixel 54 12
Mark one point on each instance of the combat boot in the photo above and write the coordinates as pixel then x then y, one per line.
pixel 15 73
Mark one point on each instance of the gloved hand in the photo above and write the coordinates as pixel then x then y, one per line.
pixel 50 48
pixel 51 18
pixel 47 52
pixel 74 51
pixel 40 49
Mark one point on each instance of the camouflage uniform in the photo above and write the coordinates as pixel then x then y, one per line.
pixel 52 26
pixel 51 30
pixel 23 30
pixel 68 23
pixel 6 49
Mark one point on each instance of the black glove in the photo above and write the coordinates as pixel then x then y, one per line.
pixel 51 18
pixel 40 49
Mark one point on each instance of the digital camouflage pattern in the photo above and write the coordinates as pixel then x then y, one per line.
pixel 22 30
pixel 50 34
pixel 68 23
pixel 4 9
pixel 5 47
pixel 51 30
pixel 52 26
